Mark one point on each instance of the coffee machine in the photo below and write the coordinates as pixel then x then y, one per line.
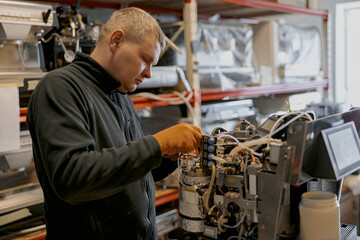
pixel 248 183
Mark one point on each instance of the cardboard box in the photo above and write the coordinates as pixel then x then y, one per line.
pixel 266 44
pixel 314 4
pixel 298 3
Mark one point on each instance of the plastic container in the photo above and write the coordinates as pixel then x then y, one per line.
pixel 319 216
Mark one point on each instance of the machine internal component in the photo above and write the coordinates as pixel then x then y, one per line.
pixel 241 186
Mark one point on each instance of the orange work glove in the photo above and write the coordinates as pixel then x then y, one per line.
pixel 181 138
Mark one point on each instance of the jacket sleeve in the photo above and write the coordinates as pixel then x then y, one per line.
pixel 76 169
pixel 165 169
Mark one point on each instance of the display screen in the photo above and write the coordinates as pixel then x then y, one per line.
pixel 344 147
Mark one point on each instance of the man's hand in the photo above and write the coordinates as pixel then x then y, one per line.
pixel 181 138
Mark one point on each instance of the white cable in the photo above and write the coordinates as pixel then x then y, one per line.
pixel 229 136
pixel 183 79
pixel 259 141
pixel 221 229
pixel 56 35
pixel 233 237
pixel 288 123
pixel 282 117
pixel 246 145
pixel 208 192
pixel 240 145
pixel 278 121
pixel 181 99
pixel 267 139
pixel 225 144
pixel 218 159
pixel 187 103
pixel 275 126
pixel 313 113
pixel 235 150
pixel 211 209
pixel 179 172
pixel 256 154
pixel 238 223
pixel 300 114
pixel 156 97
pixel 285 125
pixel 172 101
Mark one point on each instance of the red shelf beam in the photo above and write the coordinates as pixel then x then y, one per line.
pixel 167 197
pixel 279 7
pixel 262 90
pixel 23 112
pixel 142 102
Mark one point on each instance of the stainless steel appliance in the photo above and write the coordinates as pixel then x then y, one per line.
pixel 22 25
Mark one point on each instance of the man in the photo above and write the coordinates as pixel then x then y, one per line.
pixel 96 168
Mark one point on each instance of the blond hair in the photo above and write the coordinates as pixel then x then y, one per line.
pixel 136 24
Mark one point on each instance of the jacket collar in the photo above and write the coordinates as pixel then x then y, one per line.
pixel 101 76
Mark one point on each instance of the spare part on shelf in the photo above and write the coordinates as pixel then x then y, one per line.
pixel 287 52
pixel 227 114
pixel 247 183
pixel 224 52
pixel 225 55
pixel 299 52
pixel 327 108
pixel 167 222
pixel 161 76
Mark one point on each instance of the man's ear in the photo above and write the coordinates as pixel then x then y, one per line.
pixel 116 38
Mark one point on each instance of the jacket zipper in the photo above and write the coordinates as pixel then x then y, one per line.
pixel 124 123
pixel 94 223
pixel 129 137
pixel 148 207
pixel 128 134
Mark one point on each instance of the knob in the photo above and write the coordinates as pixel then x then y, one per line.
pixel 46 15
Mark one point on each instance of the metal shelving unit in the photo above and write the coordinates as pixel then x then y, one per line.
pixel 206 8
pixel 255 91
pixel 211 95
pixel 241 9
pixel 277 7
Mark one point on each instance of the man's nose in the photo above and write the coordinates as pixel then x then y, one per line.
pixel 147 72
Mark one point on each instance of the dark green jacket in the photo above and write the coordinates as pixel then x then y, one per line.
pixel 92 160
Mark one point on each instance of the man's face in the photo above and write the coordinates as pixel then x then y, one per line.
pixel 132 62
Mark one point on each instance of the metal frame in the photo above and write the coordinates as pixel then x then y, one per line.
pixel 278 7
pixel 190 22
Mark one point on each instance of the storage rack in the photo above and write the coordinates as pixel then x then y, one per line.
pixel 191 10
